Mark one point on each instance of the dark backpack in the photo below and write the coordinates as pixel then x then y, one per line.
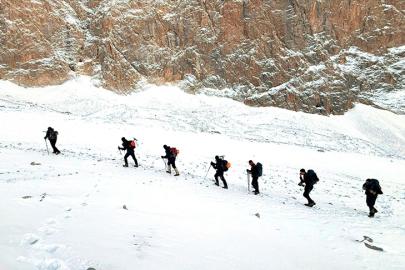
pixel 373 185
pixel 259 168
pixel 52 134
pixel 225 165
pixel 313 176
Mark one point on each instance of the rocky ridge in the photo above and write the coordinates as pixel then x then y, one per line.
pixel 314 56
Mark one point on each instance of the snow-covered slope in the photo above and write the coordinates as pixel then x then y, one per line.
pixel 187 222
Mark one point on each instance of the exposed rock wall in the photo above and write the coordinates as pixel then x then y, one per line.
pixel 318 56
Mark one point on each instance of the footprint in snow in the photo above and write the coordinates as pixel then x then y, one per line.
pixel 84 204
pixel 50 264
pixel 31 238
pixel 67 209
pixel 47 231
pixel 50 221
pixel 50 248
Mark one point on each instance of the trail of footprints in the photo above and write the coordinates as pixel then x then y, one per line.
pixel 42 249
pixel 275 186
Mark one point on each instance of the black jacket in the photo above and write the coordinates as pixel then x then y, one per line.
pixel 168 153
pixel 372 187
pixel 126 145
pixel 309 179
pixel 51 134
pixel 254 171
pixel 218 165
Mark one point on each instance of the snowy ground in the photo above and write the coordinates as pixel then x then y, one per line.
pixel 187 222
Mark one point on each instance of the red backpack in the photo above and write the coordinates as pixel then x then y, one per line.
pixel 132 144
pixel 174 151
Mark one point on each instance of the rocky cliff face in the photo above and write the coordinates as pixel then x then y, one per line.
pixel 318 56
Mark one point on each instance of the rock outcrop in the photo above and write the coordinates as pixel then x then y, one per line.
pixel 316 56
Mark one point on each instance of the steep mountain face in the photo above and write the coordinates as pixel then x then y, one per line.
pixel 317 56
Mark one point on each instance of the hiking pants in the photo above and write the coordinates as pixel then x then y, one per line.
pixel 307 190
pixel 370 200
pixel 53 142
pixel 255 183
pixel 220 175
pixel 172 162
pixel 132 155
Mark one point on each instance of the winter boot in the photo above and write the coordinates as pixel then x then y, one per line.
pixel 257 192
pixel 125 165
pixel 177 172
pixel 136 166
pixel 216 183
pixel 225 185
pixel 371 215
pixel 311 204
pixel 169 169
pixel 375 211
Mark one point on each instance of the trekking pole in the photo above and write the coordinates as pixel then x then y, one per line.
pixel 164 163
pixel 209 167
pixel 248 179
pixel 47 147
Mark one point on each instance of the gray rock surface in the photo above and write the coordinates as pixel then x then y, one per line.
pixel 312 56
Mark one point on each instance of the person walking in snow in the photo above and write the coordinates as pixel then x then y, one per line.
pixel 171 160
pixel 52 136
pixel 219 171
pixel 254 171
pixel 130 147
pixel 309 178
pixel 373 189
